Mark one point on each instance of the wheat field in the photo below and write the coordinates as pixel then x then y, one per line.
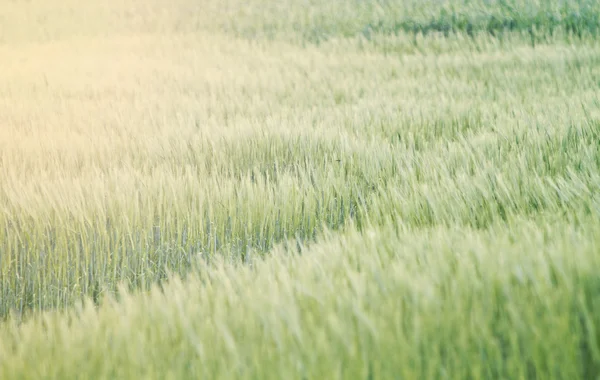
pixel 300 189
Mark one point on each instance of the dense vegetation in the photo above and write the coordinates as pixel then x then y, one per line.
pixel 338 189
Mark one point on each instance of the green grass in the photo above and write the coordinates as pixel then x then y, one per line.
pixel 319 21
pixel 359 190
pixel 505 302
